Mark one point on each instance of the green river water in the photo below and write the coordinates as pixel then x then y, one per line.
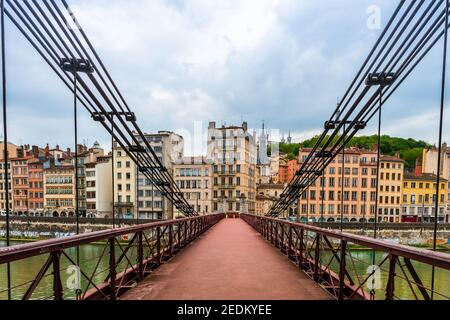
pixel 24 271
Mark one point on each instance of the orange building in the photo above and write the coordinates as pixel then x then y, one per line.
pixel 283 169
pixel 20 184
pixel 356 202
pixel 292 167
pixel 36 187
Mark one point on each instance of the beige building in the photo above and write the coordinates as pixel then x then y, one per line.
pixel 430 159
pixel 267 194
pixel 98 187
pixel 263 204
pixel 12 153
pixel 59 193
pixel 193 176
pixel 390 188
pixel 232 151
pixel 124 184
pixel 429 165
pixel 168 147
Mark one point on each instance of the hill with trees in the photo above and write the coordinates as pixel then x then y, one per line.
pixel 409 149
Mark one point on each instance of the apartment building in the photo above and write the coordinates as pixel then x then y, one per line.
pixel 12 153
pixel 36 187
pixel 98 187
pixel 430 160
pixel 283 169
pixel 419 198
pixel 292 167
pixel 59 190
pixel 193 175
pixel 19 167
pixel 390 188
pixel 124 183
pixel 429 165
pixel 267 194
pixel 168 147
pixel 232 151
pixel 324 199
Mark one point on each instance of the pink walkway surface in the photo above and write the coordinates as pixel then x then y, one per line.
pixel 229 262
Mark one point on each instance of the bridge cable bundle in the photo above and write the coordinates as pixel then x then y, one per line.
pixel 47 26
pixel 412 31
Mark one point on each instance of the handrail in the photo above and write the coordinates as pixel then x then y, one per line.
pixel 304 244
pixel 19 252
pixel 435 258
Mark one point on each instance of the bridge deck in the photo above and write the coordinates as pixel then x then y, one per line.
pixel 230 261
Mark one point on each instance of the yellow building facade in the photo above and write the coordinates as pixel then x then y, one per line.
pixel 419 198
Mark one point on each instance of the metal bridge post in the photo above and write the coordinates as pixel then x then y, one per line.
pixel 112 269
pixel 185 233
pixel 342 269
pixel 390 287
pixel 282 246
pixel 316 258
pixel 158 245
pixel 57 284
pixel 289 250
pixel 179 236
pixel 300 260
pixel 140 256
pixel 171 240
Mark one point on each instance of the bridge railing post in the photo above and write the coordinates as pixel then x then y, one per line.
pixel 302 248
pixel 317 257
pixel 289 246
pixel 57 284
pixel 112 268
pixel 390 287
pixel 140 255
pixel 158 245
pixel 185 233
pixel 171 240
pixel 342 269
pixel 179 226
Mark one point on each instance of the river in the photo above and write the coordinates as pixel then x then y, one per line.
pixel 24 271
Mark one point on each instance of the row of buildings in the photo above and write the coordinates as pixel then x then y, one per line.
pixel 349 184
pixel 42 181
pixel 235 175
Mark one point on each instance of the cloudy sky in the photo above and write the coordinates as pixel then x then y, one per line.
pixel 182 63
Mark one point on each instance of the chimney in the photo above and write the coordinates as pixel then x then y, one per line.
pixel 69 152
pixel 418 168
pixel 80 148
pixel 245 126
pixel 35 151
pixel 212 125
pixel 47 151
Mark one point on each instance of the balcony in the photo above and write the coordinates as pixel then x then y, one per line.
pixel 226 186
pixel 227 173
pixel 124 204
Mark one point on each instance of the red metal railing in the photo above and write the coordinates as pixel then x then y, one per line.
pixel 331 259
pixel 126 256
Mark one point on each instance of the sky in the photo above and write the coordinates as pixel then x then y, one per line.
pixel 183 63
